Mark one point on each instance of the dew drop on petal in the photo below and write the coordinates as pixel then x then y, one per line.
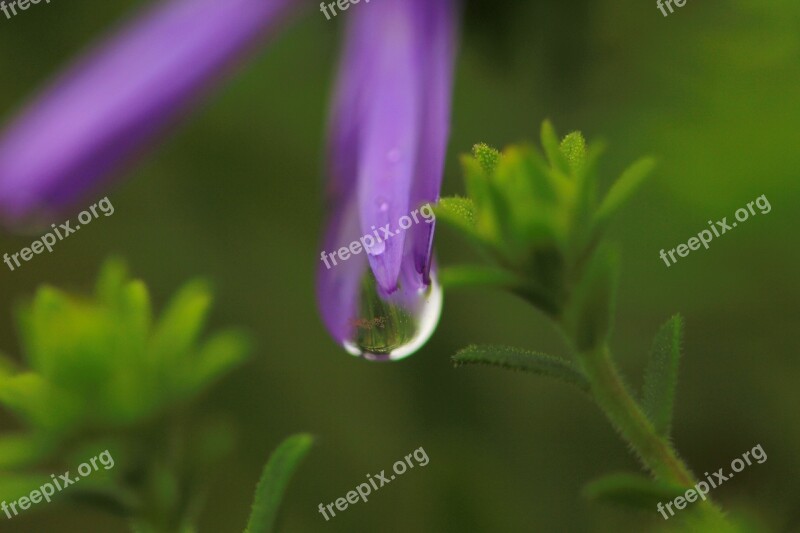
pixel 390 328
pixel 377 248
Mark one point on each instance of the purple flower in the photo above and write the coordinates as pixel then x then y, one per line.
pixel 111 103
pixel 388 138
pixel 389 132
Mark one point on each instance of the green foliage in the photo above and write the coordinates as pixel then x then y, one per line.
pixel 590 317
pixel 21 450
pixel 104 374
pixel 552 148
pixel 12 486
pixel 631 490
pixel 487 156
pixel 661 375
pixel 574 149
pixel 624 188
pixel 459 212
pixel 274 480
pixel 473 275
pixel 538 221
pixel 538 217
pixel 104 362
pixel 523 360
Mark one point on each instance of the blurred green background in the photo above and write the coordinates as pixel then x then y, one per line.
pixel 234 194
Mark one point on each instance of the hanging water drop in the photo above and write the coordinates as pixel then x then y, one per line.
pixel 389 328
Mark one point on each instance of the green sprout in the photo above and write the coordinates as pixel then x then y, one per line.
pixel 540 224
pixel 102 373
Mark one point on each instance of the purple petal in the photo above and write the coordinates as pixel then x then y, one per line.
pixel 110 104
pixel 338 287
pixel 405 49
pixel 390 127
pixel 389 131
pixel 438 73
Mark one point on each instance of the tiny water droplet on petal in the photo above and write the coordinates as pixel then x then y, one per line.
pixel 376 249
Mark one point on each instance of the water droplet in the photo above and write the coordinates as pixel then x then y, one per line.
pixel 393 155
pixel 389 328
pixel 376 249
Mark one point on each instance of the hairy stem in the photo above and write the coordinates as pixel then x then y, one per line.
pixel 625 414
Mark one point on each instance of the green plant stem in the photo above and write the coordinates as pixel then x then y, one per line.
pixel 658 455
pixel 624 412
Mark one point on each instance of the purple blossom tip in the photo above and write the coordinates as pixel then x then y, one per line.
pixel 109 104
pixel 389 130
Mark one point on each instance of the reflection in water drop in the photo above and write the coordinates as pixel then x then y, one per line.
pixel 389 328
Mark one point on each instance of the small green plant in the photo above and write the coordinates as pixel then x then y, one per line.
pixel 538 222
pixel 103 374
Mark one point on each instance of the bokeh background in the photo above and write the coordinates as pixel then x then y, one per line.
pixel 234 194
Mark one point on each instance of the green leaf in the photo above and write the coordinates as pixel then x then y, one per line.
pixel 623 189
pixel 529 195
pixel 21 450
pixel 631 490
pixel 99 363
pixel 552 148
pixel 68 339
pixel 522 360
pixel 661 375
pixel 221 353
pixel 112 277
pixel 591 311
pixel 574 149
pixel 14 486
pixel 544 184
pixel 460 276
pixel 585 232
pixel 491 210
pixel 277 474
pixel 182 321
pixel 26 394
pixel 457 211
pixel 128 300
pixel 480 276
pixel 33 321
pixel 476 182
pixel 104 496
pixel 487 156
